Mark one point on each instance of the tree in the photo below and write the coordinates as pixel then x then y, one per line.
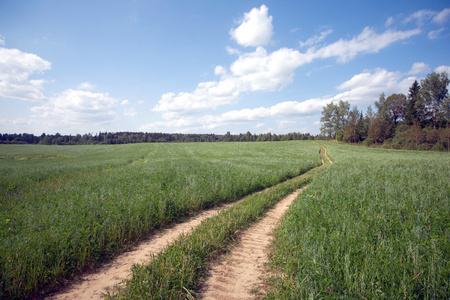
pixel 415 133
pixel 354 125
pixel 334 118
pixel 381 127
pixel 413 104
pixel 396 104
pixel 327 126
pixel 434 91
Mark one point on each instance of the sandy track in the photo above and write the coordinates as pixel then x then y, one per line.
pixel 91 286
pixel 239 272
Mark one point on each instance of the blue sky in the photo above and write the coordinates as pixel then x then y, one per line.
pixel 208 66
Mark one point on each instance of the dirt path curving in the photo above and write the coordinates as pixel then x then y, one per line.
pixel 239 273
pixel 91 286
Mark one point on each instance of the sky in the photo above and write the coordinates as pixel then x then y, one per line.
pixel 196 66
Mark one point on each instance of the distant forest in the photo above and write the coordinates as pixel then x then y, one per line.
pixel 417 121
pixel 144 137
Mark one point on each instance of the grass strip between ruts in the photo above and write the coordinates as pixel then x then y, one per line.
pixel 176 272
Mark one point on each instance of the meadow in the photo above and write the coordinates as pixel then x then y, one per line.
pixel 64 208
pixel 375 225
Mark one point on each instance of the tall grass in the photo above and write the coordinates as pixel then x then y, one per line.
pixel 376 225
pixel 64 208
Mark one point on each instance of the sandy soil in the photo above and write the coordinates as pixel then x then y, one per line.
pixel 92 286
pixel 238 274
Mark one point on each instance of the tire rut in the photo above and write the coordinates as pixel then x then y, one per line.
pixel 238 274
pixel 94 285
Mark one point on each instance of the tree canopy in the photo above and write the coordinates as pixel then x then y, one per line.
pixel 419 120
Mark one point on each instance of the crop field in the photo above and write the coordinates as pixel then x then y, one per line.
pixel 63 208
pixel 375 225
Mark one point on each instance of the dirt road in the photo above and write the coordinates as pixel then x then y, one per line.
pixel 233 277
pixel 239 273
pixel 92 286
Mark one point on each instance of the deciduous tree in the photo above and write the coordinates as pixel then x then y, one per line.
pixel 434 91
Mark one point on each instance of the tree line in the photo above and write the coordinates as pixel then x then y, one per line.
pixel 419 120
pixel 144 137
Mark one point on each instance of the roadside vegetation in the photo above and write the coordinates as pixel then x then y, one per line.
pixel 65 208
pixel 375 225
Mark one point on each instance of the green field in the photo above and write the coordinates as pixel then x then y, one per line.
pixel 375 225
pixel 65 207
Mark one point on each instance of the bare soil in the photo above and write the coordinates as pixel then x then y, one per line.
pixel 240 273
pixel 94 285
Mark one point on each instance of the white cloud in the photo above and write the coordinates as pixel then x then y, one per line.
pixel 285 124
pixel 421 16
pixel 435 33
pixel 429 17
pixel 219 70
pixel 254 71
pixel 364 88
pixel 77 107
pixel 2 40
pixel 442 68
pixel 389 21
pixel 316 39
pixel 442 17
pixel 125 102
pixel 256 28
pixel 15 69
pixel 419 67
pixel 130 111
pixel 232 51
pixel 86 86
pixel 366 42
pixel 259 71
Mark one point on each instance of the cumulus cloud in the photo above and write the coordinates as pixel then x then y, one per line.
pixel 15 69
pixel 2 40
pixel 362 89
pixel 259 70
pixel 254 71
pixel 442 68
pixel 419 67
pixel 74 107
pixel 256 28
pixel 365 87
pixel 263 71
